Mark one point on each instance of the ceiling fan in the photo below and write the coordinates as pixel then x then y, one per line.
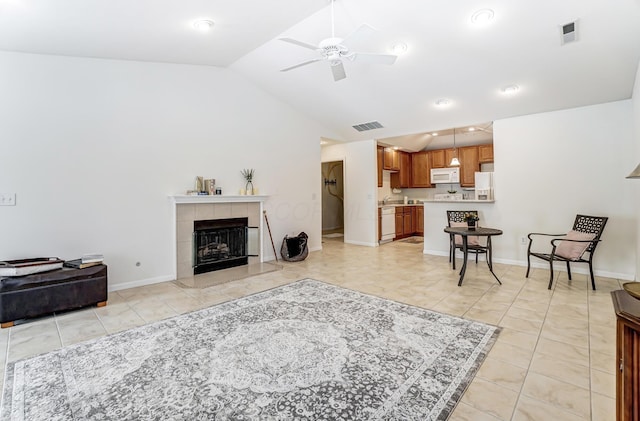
pixel 334 49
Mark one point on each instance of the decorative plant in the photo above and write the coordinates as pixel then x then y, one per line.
pixel 248 176
pixel 471 217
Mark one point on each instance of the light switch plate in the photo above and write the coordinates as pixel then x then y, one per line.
pixel 7 199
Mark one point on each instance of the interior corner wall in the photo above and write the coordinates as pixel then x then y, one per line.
pixel 94 148
pixel 551 166
pixel 635 100
pixel 360 189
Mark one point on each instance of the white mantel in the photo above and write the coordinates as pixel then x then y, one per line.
pixel 218 198
pixel 219 202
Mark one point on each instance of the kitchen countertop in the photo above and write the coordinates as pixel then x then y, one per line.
pixel 394 205
pixel 391 205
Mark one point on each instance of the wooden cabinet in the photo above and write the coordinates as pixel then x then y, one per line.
pixel 391 159
pixel 438 159
pixel 420 169
pixel 399 222
pixel 419 220
pixel 485 153
pixel 380 160
pixel 449 154
pixel 468 165
pixel 402 178
pixel 627 360
pixel 407 223
pixel 379 224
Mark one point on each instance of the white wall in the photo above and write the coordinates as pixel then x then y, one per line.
pixel 93 148
pixel 636 141
pixel 360 189
pixel 550 167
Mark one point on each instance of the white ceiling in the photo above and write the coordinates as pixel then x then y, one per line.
pixel 447 57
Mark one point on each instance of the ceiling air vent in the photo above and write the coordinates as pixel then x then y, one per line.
pixel 368 126
pixel 569 32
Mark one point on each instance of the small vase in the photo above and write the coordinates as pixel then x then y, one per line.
pixel 471 225
pixel 249 188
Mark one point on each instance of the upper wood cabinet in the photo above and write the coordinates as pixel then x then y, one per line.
pixel 380 156
pixel 402 178
pixel 469 164
pixel 485 153
pixel 391 160
pixel 420 169
pixel 438 159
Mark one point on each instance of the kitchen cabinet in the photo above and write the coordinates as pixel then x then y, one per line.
pixel 449 154
pixel 438 159
pixel 419 220
pixel 485 153
pixel 379 224
pixel 380 157
pixel 468 165
pixel 399 222
pixel 420 169
pixel 402 178
pixel 391 159
pixel 407 222
pixel 627 359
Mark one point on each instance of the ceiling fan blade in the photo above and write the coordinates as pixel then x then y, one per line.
pixel 299 43
pixel 304 63
pixel 359 34
pixel 373 58
pixel 338 71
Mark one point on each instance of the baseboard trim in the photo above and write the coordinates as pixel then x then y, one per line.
pixel 141 283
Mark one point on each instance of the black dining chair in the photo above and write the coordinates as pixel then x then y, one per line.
pixel 571 247
pixel 456 218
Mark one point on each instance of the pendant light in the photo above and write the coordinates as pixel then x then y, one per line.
pixel 454 161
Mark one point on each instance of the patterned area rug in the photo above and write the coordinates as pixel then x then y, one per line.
pixel 304 351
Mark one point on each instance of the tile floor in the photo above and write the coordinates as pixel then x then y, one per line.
pixel 554 359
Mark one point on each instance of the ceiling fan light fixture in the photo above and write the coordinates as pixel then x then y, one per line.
pixel 203 25
pixel 399 48
pixel 482 16
pixel 510 89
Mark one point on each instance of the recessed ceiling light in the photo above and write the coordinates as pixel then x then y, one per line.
pixel 203 25
pixel 442 102
pixel 399 48
pixel 472 129
pixel 434 134
pixel 510 89
pixel 395 148
pixel 482 16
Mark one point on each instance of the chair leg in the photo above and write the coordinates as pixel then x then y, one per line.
pixel 593 281
pixel 453 258
pixel 477 258
pixel 550 274
pixel 568 271
pixel 528 265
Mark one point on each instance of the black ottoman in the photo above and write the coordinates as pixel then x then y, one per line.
pixel 48 292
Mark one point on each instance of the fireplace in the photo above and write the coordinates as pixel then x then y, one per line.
pixel 219 244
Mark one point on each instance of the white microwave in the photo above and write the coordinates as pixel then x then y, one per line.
pixel 445 175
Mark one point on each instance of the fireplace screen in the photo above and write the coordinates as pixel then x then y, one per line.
pixel 219 244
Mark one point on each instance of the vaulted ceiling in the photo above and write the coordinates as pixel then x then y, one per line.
pixel 447 56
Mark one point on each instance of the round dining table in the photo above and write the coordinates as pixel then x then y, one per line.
pixel 465 232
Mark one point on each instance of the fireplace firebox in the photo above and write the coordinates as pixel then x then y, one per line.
pixel 219 244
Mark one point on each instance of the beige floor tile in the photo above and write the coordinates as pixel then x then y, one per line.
pixel 153 311
pixel 531 327
pixel 553 367
pixel 603 408
pixel 503 374
pixel 529 409
pixel 32 339
pixel 464 412
pixel 603 362
pixel 119 317
pixel 571 331
pixel 563 351
pixel 603 383
pixel 557 393
pixel 490 398
pixel 74 330
pixel 517 338
pixel 511 354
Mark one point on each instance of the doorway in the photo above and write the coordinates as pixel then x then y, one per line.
pixel 333 201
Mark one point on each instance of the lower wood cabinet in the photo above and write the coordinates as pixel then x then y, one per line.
pixel 409 221
pixel 627 362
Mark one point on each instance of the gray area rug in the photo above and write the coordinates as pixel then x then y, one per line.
pixel 304 351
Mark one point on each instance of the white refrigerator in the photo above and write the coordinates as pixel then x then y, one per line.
pixel 484 185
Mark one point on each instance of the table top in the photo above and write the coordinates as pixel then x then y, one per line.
pixel 479 231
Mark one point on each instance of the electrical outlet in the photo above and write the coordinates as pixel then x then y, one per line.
pixel 7 199
pixel 523 240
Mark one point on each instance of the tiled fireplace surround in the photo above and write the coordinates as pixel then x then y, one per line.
pixel 189 209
